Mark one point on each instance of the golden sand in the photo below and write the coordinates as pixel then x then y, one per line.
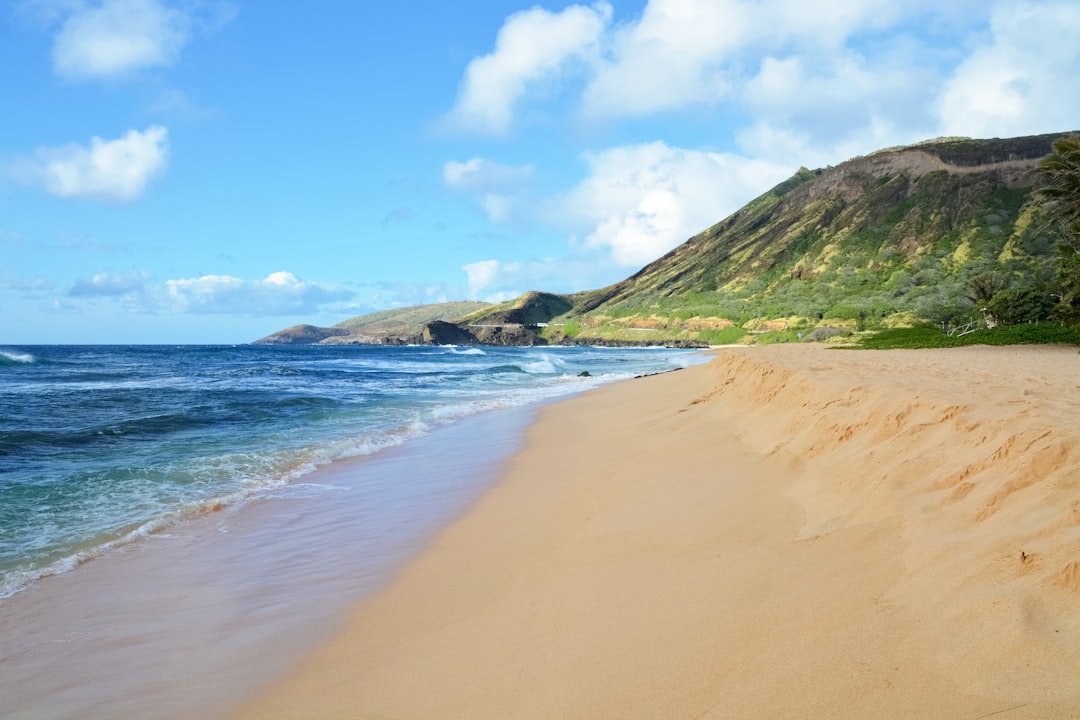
pixel 786 532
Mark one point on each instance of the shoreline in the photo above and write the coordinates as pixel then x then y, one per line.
pixel 785 531
pixel 185 623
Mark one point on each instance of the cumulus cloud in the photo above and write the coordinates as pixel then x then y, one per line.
pixel 106 284
pixel 112 170
pixel 498 188
pixel 532 46
pixel 117 37
pixel 676 54
pixel 280 293
pixel 690 53
pixel 833 99
pixel 640 201
pixel 112 38
pixel 1023 80
pixel 482 275
pixel 671 57
pixel 837 73
pixel 636 203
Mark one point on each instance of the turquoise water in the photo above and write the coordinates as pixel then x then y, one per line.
pixel 104 446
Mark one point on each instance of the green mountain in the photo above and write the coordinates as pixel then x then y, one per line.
pixel 933 232
pixel 884 239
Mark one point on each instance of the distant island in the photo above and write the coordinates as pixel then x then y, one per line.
pixel 945 231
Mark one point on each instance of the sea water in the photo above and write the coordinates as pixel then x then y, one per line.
pixel 231 499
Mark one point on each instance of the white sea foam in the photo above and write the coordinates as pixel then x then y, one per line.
pixel 544 365
pixel 16 357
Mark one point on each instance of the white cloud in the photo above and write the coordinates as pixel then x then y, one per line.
pixel 832 97
pixel 106 284
pixel 495 281
pixel 637 202
pixel 1024 80
pixel 642 200
pixel 532 46
pixel 116 37
pixel 482 275
pixel 670 58
pixel 830 68
pixel 825 115
pixel 676 54
pixel 112 170
pixel 500 189
pixel 779 60
pixel 280 293
pixel 787 82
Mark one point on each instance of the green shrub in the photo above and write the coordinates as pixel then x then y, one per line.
pixel 1015 306
pixel 1042 333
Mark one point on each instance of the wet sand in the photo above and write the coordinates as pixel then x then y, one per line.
pixel 788 531
pixel 186 622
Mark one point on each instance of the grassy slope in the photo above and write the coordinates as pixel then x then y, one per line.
pixel 1048 333
pixel 528 309
pixel 890 239
pixel 410 320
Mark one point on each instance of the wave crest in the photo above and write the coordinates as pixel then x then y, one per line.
pixel 10 357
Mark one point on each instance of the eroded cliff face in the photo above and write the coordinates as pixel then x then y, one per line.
pixel 445 333
pixel 440 332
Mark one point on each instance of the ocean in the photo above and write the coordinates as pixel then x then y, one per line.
pixel 167 514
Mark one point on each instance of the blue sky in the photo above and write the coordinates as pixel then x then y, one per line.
pixel 203 171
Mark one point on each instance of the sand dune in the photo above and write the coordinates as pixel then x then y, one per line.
pixel 785 532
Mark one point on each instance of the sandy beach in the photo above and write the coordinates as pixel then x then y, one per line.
pixel 785 532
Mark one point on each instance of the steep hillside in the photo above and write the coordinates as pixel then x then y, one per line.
pixel 937 232
pixel 896 234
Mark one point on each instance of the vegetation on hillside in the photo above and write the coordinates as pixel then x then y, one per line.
pixel 532 308
pixel 1060 194
pixel 410 319
pixel 951 232
pixel 942 233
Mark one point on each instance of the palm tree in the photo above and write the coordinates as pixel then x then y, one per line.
pixel 1059 175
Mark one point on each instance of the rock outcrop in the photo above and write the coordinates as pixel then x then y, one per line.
pixel 440 332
